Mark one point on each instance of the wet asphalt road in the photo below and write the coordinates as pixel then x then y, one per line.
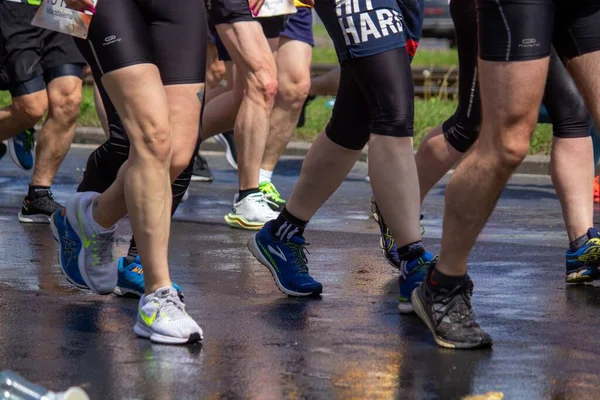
pixel 259 344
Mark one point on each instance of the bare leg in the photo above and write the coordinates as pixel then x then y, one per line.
pixel 143 184
pixel 391 159
pixel 326 84
pixel 434 159
pixel 56 136
pixel 293 72
pixel 24 112
pixel 324 169
pixel 511 94
pixel 252 55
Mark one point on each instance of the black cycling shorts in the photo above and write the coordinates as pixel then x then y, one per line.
pixel 375 95
pixel 30 57
pixel 168 34
pixel 519 30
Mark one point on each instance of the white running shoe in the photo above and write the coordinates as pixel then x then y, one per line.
pixel 251 213
pixel 226 140
pixel 162 318
pixel 95 260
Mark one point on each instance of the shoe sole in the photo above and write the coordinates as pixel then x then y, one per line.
pixel 239 222
pixel 62 269
pixel 34 219
pixel 577 277
pixel 405 307
pixel 146 333
pixel 228 154
pixel 201 179
pixel 13 155
pixel 420 311
pixel 257 253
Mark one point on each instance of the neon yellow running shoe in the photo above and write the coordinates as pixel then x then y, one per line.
pixel 272 196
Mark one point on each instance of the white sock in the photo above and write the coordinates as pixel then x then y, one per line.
pixel 90 217
pixel 264 176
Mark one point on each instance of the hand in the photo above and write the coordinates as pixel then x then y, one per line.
pixel 81 5
pixel 255 6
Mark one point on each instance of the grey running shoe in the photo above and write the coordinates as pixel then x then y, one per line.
pixel 162 319
pixel 95 259
pixel 449 315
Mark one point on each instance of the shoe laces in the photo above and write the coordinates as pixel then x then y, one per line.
pixel 102 248
pixel 29 141
pixel 271 192
pixel 456 304
pixel 299 251
pixel 260 200
pixel 171 307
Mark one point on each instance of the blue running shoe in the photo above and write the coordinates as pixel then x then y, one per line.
pixel 583 263
pixel 131 279
pixel 413 274
pixel 21 148
pixel 69 248
pixel 287 262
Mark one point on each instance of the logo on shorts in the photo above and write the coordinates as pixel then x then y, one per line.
pixel 110 40
pixel 531 42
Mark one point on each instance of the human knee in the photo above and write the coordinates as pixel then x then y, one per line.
pixel 156 140
pixel 263 82
pixel 65 104
pixel 31 108
pixel 293 89
pixel 512 146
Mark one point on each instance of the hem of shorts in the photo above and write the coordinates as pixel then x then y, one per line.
pixel 512 58
pixel 239 18
pixel 311 44
pixel 390 132
pixel 183 81
pixel 581 53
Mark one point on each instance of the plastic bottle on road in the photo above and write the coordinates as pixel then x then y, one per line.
pixel 15 387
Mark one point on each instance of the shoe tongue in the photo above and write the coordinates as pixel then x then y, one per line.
pixel 593 233
pixel 164 292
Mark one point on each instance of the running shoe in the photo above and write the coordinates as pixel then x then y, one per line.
pixel 583 263
pixel 186 196
pixel 21 148
pixel 162 318
pixel 302 117
pixel 69 247
pixel 201 172
pixel 226 140
pixel 39 210
pixel 251 213
pixel 597 189
pixel 131 279
pixel 386 240
pixel 449 315
pixel 272 196
pixel 89 249
pixel 412 274
pixel 287 262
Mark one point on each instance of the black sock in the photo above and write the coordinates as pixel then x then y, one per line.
pixel 287 226
pixel 411 251
pixel 244 193
pixel 35 192
pixel 438 280
pixel 133 251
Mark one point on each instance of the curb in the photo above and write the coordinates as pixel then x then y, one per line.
pixel 535 165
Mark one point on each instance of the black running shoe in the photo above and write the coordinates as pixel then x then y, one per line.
pixel 449 315
pixel 302 118
pixel 226 140
pixel 39 210
pixel 201 172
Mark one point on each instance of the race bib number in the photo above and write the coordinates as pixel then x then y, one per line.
pixel 55 16
pixel 273 8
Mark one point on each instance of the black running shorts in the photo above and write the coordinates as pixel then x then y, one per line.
pixel 30 57
pixel 519 30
